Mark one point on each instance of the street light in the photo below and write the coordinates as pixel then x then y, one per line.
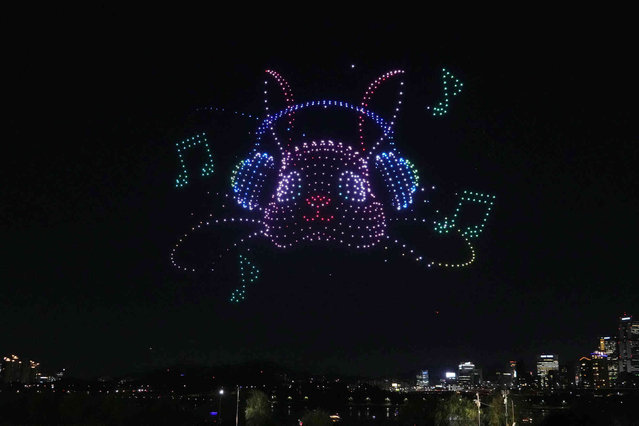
pixel 504 393
pixel 219 410
pixel 237 406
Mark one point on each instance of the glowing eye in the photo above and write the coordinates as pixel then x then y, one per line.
pixel 352 187
pixel 289 187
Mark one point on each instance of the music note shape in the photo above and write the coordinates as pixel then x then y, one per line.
pixel 452 87
pixel 471 231
pixel 249 273
pixel 192 142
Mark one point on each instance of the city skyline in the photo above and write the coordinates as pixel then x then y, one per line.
pixel 608 349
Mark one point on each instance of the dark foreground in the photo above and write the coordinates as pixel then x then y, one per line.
pixel 59 408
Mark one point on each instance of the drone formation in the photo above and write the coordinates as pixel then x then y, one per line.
pixel 300 192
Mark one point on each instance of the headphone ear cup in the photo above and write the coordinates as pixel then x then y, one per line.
pixel 248 177
pixel 400 177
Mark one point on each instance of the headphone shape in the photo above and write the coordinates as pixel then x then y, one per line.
pixel 400 176
pixel 248 178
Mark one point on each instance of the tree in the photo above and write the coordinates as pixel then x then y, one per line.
pixel 317 418
pixel 497 411
pixel 496 415
pixel 456 410
pixel 415 412
pixel 258 409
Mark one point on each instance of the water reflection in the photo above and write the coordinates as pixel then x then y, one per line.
pixel 377 414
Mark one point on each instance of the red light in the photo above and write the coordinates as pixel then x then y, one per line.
pixel 318 202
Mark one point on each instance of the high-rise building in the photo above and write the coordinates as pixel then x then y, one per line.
pixel 583 378
pixel 450 379
pixel 546 363
pixel 508 377
pixel 16 371
pixel 11 366
pixel 30 372
pixel 512 365
pixel 608 346
pixel 468 375
pixel 422 380
pixel 628 347
pixel 592 373
pixel 565 381
pixel 599 363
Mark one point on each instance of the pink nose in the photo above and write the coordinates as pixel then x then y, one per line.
pixel 318 201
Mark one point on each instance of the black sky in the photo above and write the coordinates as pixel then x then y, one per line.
pixel 88 212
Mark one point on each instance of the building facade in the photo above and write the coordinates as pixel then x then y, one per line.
pixel 608 346
pixel 423 380
pixel 628 348
pixel 547 369
pixel 14 370
pixel 592 372
pixel 468 375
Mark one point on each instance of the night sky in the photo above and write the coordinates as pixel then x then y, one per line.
pixel 89 212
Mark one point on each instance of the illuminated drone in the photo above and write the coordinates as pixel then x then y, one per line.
pixel 307 191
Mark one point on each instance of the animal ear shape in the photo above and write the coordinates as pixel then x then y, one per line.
pixel 400 176
pixel 272 107
pixel 367 101
pixel 248 179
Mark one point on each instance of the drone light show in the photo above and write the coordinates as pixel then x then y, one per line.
pixel 299 191
pixel 207 168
